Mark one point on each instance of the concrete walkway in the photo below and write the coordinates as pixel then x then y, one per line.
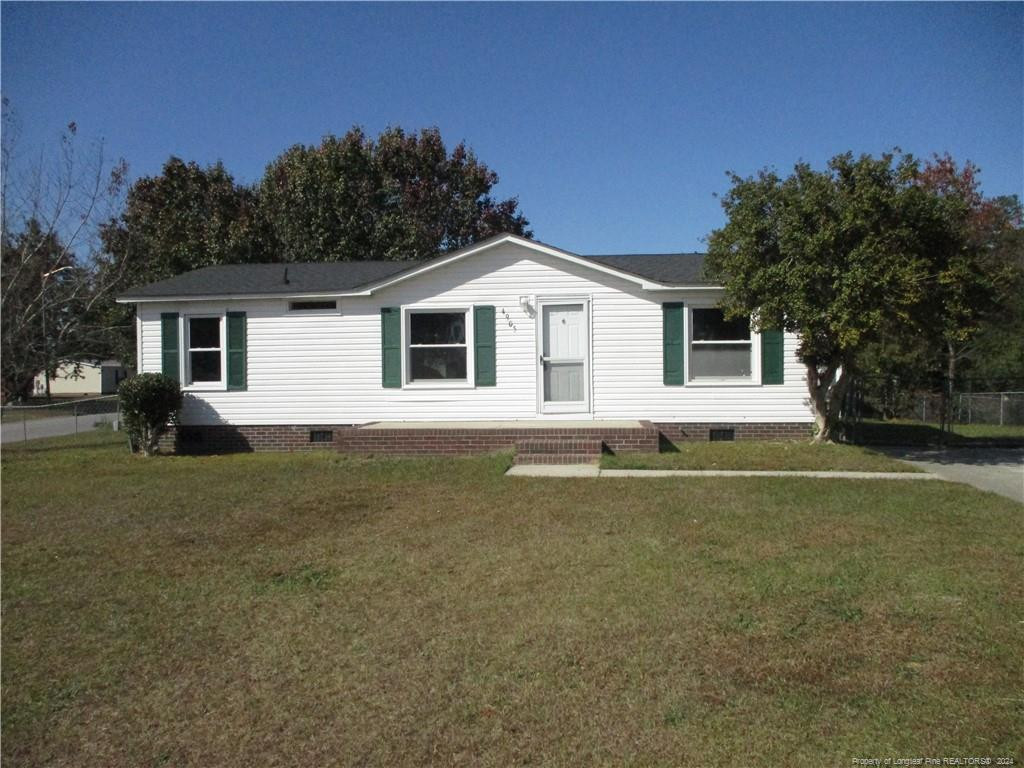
pixel 17 431
pixel 592 470
pixel 588 424
pixel 1000 470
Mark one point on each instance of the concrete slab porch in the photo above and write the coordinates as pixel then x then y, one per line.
pixel 574 424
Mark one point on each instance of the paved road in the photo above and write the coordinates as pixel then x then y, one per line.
pixel 14 432
pixel 1000 470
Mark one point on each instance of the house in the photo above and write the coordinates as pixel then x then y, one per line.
pixel 506 342
pixel 85 378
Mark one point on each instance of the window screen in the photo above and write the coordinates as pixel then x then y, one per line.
pixel 437 346
pixel 204 350
pixel 719 348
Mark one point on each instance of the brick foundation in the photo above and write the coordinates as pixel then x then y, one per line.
pixel 224 438
pixel 689 433
pixel 465 442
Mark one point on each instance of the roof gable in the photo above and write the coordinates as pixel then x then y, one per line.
pixel 363 278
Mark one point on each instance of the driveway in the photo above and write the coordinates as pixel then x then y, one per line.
pixel 1000 470
pixel 16 431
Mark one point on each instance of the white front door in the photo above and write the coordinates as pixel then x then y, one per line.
pixel 564 363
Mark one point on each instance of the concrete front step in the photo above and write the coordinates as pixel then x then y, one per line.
pixel 560 445
pixel 556 458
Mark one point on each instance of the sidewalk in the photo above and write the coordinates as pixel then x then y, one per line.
pixel 592 470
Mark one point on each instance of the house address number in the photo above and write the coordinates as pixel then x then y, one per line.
pixel 508 319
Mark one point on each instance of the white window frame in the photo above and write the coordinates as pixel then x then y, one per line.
pixel 187 350
pixel 754 380
pixel 407 381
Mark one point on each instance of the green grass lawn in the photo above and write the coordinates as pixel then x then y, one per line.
pixel 906 432
pixel 321 610
pixel 752 454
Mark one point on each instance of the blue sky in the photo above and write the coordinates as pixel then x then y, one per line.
pixel 613 124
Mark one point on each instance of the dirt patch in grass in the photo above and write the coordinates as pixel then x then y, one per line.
pixel 313 609
pixel 757 455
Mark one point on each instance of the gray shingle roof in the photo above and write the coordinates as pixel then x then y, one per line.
pixel 341 277
pixel 668 268
pixel 269 279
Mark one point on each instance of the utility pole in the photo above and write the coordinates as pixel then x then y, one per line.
pixel 46 337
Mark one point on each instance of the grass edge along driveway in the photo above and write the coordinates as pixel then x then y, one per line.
pixel 761 455
pixel 318 609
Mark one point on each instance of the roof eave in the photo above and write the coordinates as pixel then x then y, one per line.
pixel 681 287
pixel 129 299
pixel 370 288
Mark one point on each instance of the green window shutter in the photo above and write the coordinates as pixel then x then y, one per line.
pixel 484 347
pixel 771 357
pixel 236 350
pixel 170 357
pixel 391 346
pixel 672 340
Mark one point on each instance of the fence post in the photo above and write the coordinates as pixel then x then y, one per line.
pixel 76 418
pixel 1002 402
pixel 24 426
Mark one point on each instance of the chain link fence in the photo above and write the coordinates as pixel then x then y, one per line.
pixel 938 411
pixel 33 420
pixel 1003 408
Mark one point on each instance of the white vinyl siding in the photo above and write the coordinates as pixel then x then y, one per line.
pixel 310 368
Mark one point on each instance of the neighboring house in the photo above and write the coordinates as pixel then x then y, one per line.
pixel 89 378
pixel 506 329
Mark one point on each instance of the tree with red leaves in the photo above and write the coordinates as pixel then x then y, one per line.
pixel 973 278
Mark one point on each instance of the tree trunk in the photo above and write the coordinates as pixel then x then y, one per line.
pixel 827 389
pixel 945 401
pixel 16 389
pixel 150 440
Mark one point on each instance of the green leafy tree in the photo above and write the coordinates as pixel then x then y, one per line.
pixel 185 218
pixel 403 196
pixel 971 317
pixel 997 352
pixel 836 255
pixel 975 279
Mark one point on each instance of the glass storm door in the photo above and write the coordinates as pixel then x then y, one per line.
pixel 565 344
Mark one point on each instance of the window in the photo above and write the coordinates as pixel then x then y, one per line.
pixel 205 345
pixel 312 306
pixel 437 345
pixel 321 435
pixel 719 348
